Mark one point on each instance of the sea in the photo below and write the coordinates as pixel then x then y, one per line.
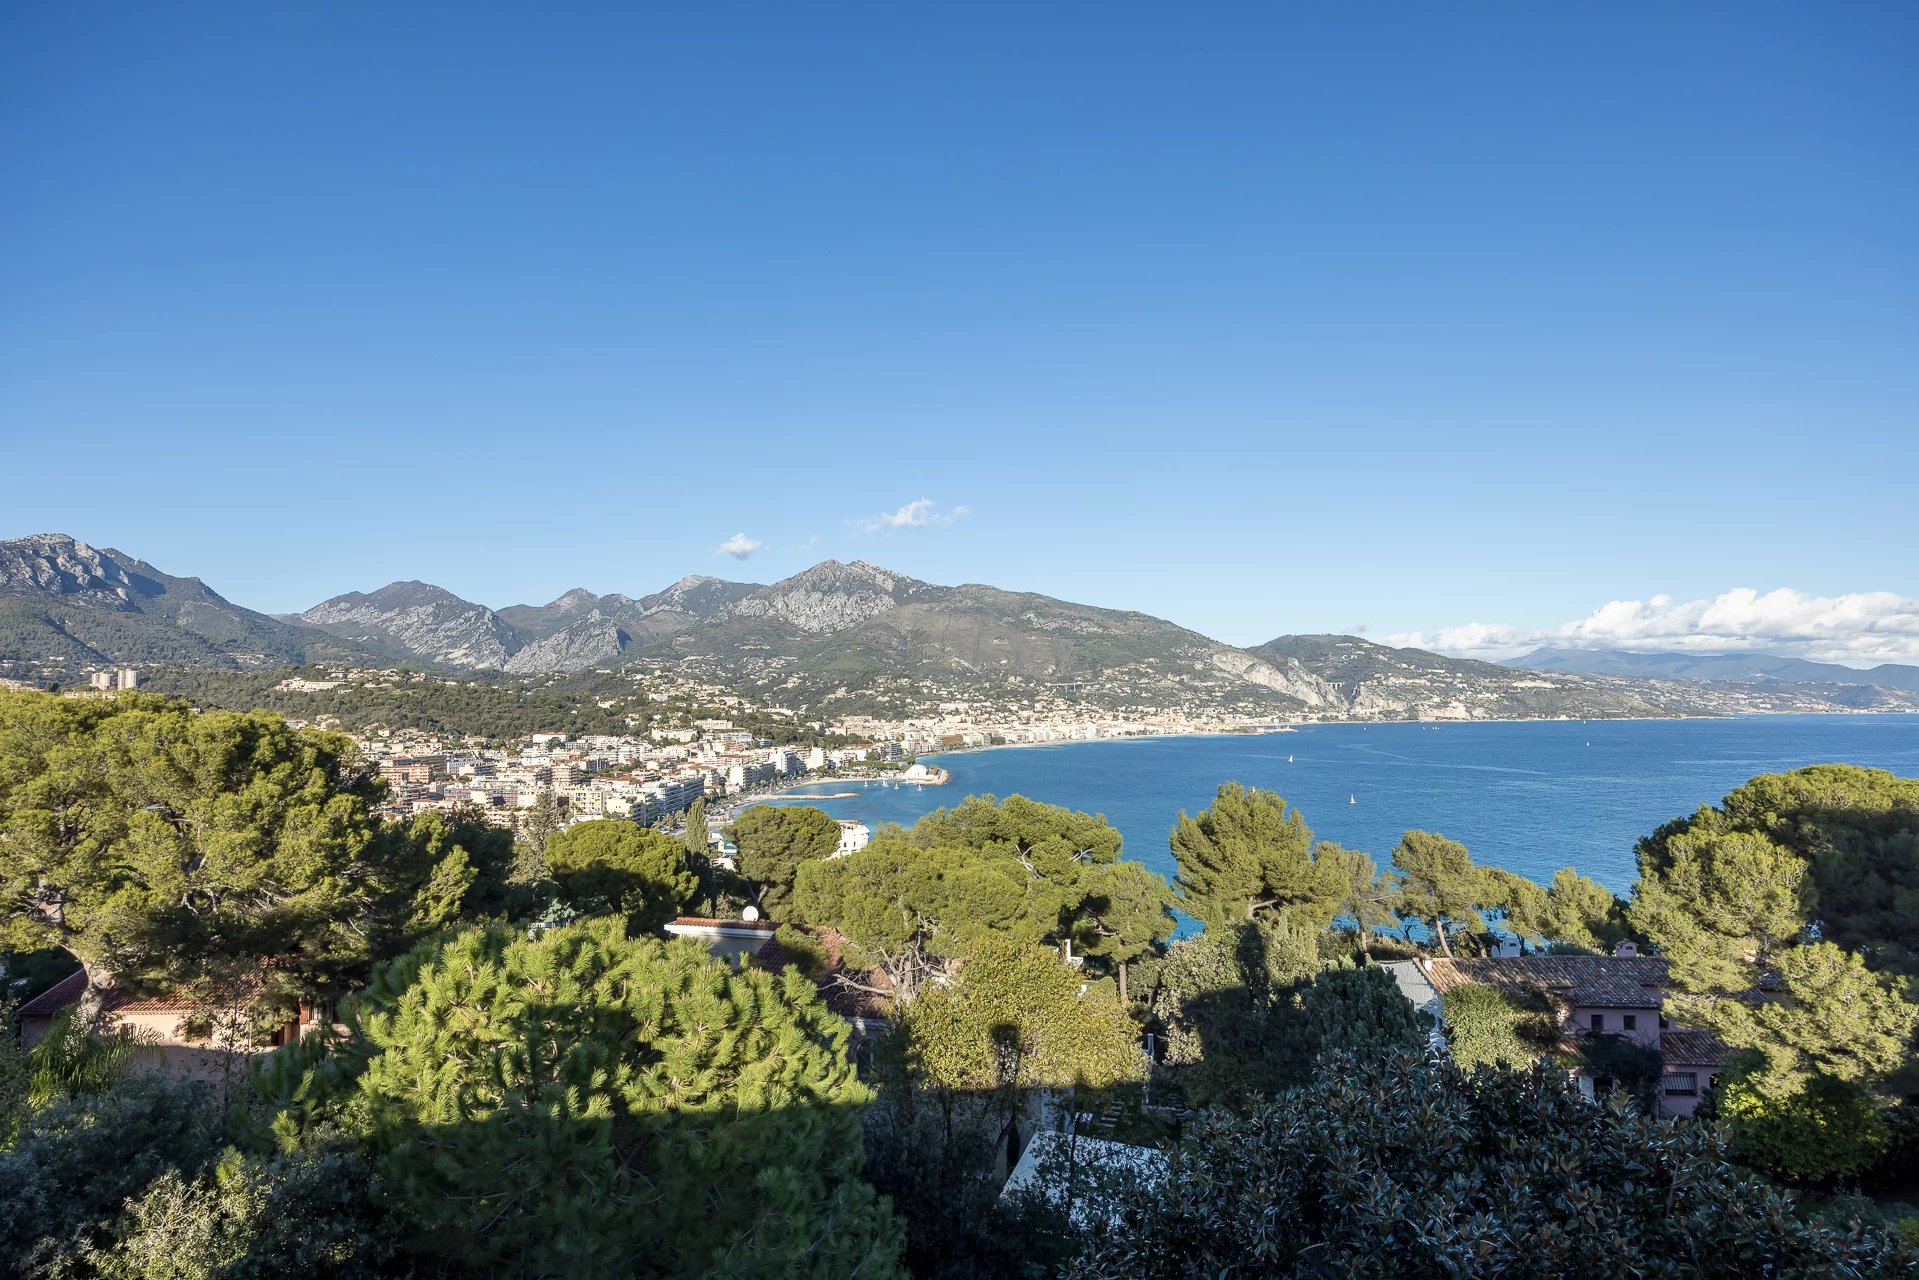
pixel 1529 796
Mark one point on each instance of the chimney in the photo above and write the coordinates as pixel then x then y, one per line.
pixel 1627 949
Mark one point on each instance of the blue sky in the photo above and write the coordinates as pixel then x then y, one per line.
pixel 1265 319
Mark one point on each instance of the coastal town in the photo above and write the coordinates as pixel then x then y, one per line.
pixel 656 777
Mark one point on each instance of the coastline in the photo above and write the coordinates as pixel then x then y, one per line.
pixel 793 793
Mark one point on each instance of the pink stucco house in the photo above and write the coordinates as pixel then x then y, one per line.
pixel 1623 994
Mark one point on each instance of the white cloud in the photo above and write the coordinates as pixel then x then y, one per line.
pixel 739 546
pixel 1862 628
pixel 917 514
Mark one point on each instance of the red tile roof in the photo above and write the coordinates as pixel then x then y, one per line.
pixel 1687 1047
pixel 1618 982
pixel 182 999
pixel 56 997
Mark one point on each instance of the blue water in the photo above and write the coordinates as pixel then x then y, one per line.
pixel 1530 797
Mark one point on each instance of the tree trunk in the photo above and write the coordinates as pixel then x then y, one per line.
pixel 93 1000
pixel 1439 927
pixel 1122 984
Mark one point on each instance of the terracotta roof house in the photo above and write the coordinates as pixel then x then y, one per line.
pixel 181 1027
pixel 1623 994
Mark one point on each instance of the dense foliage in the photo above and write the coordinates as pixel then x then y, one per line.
pixel 610 865
pixel 158 845
pixel 1486 1026
pixel 1787 914
pixel 911 901
pixel 77 1160
pixel 255 1218
pixel 495 710
pixel 1404 1168
pixel 586 1103
pixel 1015 1018
pixel 147 840
pixel 532 1083
pixel 1855 835
pixel 1223 1004
pixel 774 842
pixel 1824 1130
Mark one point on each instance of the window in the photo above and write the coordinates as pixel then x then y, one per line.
pixel 1683 1084
pixel 1599 1022
pixel 1630 1021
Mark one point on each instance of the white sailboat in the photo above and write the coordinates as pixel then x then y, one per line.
pixel 1352 799
pixel 1289 759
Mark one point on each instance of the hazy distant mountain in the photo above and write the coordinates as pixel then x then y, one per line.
pixel 1741 668
pixel 66 606
pixel 1370 679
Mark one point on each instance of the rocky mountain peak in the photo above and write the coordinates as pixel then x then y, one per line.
pixel 56 564
pixel 572 601
pixel 832 596
pixel 421 619
pixel 699 595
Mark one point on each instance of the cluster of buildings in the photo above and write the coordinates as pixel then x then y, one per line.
pixel 645 780
pixel 958 726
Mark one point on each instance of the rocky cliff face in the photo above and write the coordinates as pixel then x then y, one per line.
pixel 1285 676
pixel 697 595
pixel 52 564
pixel 544 619
pixel 592 641
pixel 832 596
pixel 423 620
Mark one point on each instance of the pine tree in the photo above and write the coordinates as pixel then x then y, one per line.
pixel 612 865
pixel 1249 853
pixel 529 846
pixel 588 1103
pixel 147 839
pixel 775 842
pixel 698 838
pixel 1439 883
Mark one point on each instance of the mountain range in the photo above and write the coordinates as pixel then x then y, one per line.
pixel 72 606
pixel 833 638
pixel 1737 668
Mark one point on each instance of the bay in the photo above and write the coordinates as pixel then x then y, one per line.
pixel 1530 796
